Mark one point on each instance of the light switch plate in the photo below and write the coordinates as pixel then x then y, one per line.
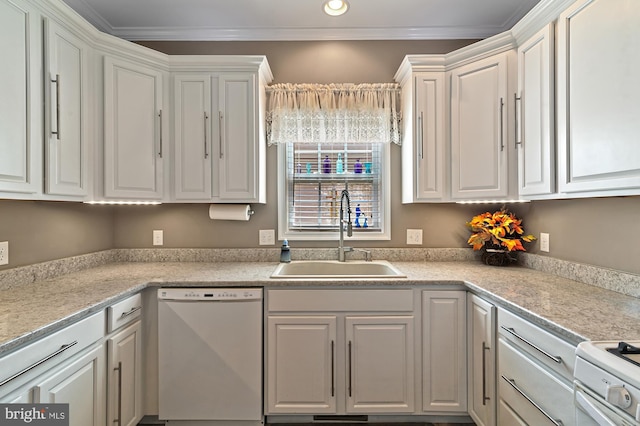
pixel 414 236
pixel 267 237
pixel 158 239
pixel 544 242
pixel 4 253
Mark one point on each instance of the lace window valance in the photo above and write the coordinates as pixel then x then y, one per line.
pixel 333 113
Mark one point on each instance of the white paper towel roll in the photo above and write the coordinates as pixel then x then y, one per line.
pixel 230 212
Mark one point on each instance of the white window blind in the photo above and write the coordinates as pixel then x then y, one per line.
pixel 314 183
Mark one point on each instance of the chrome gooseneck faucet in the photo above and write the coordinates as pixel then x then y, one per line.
pixel 341 248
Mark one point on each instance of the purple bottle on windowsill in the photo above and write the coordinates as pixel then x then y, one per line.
pixel 357 167
pixel 326 165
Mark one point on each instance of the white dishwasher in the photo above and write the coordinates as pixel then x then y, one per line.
pixel 210 356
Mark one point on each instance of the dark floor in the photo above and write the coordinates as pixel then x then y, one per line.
pixel 153 421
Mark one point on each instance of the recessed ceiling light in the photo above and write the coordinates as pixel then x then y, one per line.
pixel 335 7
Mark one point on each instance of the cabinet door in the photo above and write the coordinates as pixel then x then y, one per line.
pixel 482 361
pixel 428 150
pixel 301 364
pixel 133 148
pixel 598 94
pixel 478 129
pixel 21 396
pixel 444 374
pixel 20 104
pixel 535 136
pixel 379 362
pixel 192 127
pixel 124 380
pixel 66 120
pixel 237 173
pixel 81 384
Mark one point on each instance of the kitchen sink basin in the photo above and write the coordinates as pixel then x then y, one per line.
pixel 331 269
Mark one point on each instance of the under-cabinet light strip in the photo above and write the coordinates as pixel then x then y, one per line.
pixel 124 203
pixel 491 201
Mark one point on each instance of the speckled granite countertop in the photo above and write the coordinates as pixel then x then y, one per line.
pixel 571 309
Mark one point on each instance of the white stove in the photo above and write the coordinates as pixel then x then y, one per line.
pixel 607 383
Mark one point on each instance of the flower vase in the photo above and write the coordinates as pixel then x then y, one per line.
pixel 495 256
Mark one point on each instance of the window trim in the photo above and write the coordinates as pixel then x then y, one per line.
pixel 384 234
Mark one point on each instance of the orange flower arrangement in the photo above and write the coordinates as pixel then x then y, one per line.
pixel 501 229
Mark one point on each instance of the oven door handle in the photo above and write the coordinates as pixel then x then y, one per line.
pixel 582 401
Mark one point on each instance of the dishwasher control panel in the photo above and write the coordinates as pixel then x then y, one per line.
pixel 214 294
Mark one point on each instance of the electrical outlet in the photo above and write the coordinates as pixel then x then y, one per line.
pixel 267 237
pixel 414 236
pixel 4 253
pixel 158 237
pixel 544 242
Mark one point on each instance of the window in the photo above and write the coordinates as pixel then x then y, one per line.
pixel 331 138
pixel 312 184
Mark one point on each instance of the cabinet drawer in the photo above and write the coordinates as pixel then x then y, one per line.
pixel 19 366
pixel 550 350
pixel 124 312
pixel 525 385
pixel 311 300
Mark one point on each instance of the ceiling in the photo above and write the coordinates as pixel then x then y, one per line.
pixel 301 19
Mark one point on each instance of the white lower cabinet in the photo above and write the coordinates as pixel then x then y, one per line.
pixel 535 374
pixel 124 362
pixel 67 366
pixel 81 384
pixel 444 352
pixel 125 376
pixel 380 364
pixel 482 361
pixel 340 352
pixel 301 364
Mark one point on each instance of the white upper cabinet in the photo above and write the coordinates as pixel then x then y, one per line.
pixel 20 102
pixel 598 93
pixel 133 133
pixel 193 124
pixel 424 141
pixel 220 148
pixel 535 131
pixel 479 132
pixel 237 139
pixel 67 113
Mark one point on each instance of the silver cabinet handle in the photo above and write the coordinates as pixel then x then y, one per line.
pixel 333 368
pixel 485 398
pixel 350 368
pixel 130 312
pixel 37 363
pixel 528 398
pixel 553 358
pixel 518 118
pixel 501 124
pixel 206 153
pixel 420 124
pixel 220 133
pixel 119 370
pixel 160 116
pixel 57 83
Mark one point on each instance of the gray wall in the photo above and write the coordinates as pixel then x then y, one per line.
pixel 600 231
pixel 40 231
